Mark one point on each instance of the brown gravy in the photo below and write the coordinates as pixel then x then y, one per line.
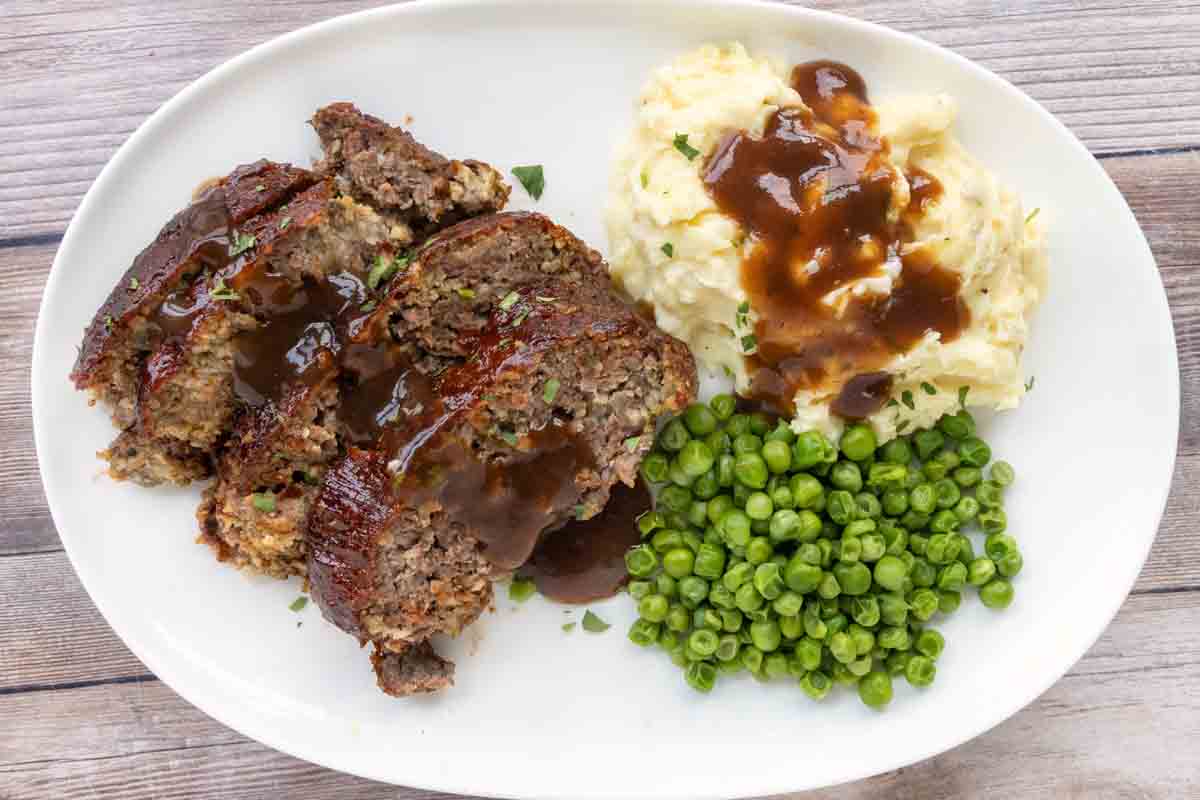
pixel 815 191
pixel 585 559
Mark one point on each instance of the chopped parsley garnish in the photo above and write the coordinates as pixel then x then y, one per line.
pixel 550 391
pixel 220 291
pixel 283 223
pixel 241 243
pixel 508 301
pixel 580 512
pixel 631 444
pixel 645 179
pixel 466 294
pixel 568 627
pixel 893 403
pixel 749 343
pixel 593 623
pixel 1029 383
pixel 521 589
pixel 903 424
pixel 1032 215
pixel 681 144
pixel 299 603
pixel 532 178
pixel 728 371
pixel 744 307
pixel 134 283
pixel 381 271
pixel 743 314
pixel 262 187
pixel 906 397
pixel 263 501
pixel 108 322
pixel 928 388
pixel 368 306
pixel 962 395
pixel 669 249
pixel 509 437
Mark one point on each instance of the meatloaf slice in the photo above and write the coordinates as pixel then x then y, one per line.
pixel 385 167
pixel 418 670
pixel 556 404
pixel 122 333
pixel 461 275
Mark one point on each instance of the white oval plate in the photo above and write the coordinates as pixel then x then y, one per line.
pixel 538 713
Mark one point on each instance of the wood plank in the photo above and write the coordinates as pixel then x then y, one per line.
pixel 77 78
pixel 1099 732
pixel 50 632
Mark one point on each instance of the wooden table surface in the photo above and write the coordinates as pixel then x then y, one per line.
pixel 81 717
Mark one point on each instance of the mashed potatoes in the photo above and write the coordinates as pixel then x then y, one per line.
pixel 673 248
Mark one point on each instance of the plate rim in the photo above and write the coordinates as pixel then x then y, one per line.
pixel 263 52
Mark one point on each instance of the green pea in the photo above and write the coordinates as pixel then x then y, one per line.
pixel 700 419
pixel 693 591
pixel 829 586
pixel 735 527
pixel 873 547
pixel 1010 564
pixel 981 571
pixel 720 597
pixel 996 593
pixel 644 633
pixel 875 689
pixel 923 603
pixel 942 549
pixel 785 526
pixel 717 507
pixel 953 577
pixel 703 641
pixel 738 424
pixel 896 661
pixel 676 499
pixel 993 520
pixel 778 456
pixel 966 550
pixel 974 451
pixel 934 470
pixel 1002 473
pixel 696 458
pixel 677 563
pixel 852 578
pixel 781 497
pixel 920 671
pixel 759 423
pixel 654 467
pixel 890 573
pixel 897 451
pixel 800 576
pixel 759 506
pixel 923 574
pixel 782 432
pixel 788 604
pixel 918 543
pixel 892 609
pixel 751 656
pixel 766 635
pixel 850 549
pixel 944 521
pixel 923 498
pixel 841 646
pixel 957 426
pixel 868 505
pixel 928 442
pixel 883 476
pixel 894 502
pixel 840 507
pixel 706 486
pixel 990 494
pixel 966 477
pixel 768 580
pixel 999 545
pixel 747 598
pixel 805 490
pixel 894 637
pixel 816 684
pixel 750 470
pixel 846 475
pixel 930 643
pixel 706 618
pixel 653 607
pixel 746 443
pixel 865 610
pixel 641 561
pixel 723 406
pixel 724 468
pixel 697 514
pixel 808 450
pixel 966 509
pixel 710 561
pixel 673 436
pixel 678 619
pixel 759 551
pixel 639 589
pixel 947 493
pixel 948 602
pixel 858 442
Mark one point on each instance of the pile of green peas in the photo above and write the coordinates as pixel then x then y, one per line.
pixel 788 556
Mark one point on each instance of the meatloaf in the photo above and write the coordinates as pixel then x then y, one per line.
pixel 555 402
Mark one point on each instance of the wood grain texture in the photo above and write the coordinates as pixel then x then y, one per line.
pixel 77 78
pixel 142 742
pixel 81 715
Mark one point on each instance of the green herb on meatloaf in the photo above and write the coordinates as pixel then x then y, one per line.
pixel 532 178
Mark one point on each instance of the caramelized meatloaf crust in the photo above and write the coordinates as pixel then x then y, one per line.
pixel 555 403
